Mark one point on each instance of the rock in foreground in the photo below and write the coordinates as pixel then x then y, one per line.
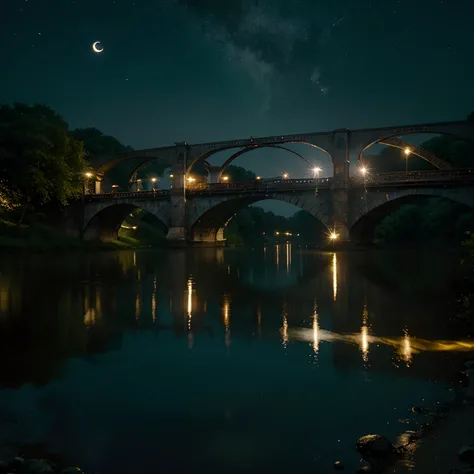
pixel 374 446
pixel 466 454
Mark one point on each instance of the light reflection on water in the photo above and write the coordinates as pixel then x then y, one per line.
pixel 198 350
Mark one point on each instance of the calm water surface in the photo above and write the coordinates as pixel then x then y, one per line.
pixel 220 360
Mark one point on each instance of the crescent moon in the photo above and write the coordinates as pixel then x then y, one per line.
pixel 95 48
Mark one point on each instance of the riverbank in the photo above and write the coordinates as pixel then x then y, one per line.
pixel 437 451
pixel 40 238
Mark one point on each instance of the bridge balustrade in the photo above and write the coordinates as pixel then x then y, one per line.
pixel 281 184
pixel 419 176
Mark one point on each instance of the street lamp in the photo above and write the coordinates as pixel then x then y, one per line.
pixel 364 172
pixel 153 180
pixel 316 172
pixel 225 178
pixel 285 175
pixel 407 152
pixel 333 237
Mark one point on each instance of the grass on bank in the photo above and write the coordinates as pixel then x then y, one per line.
pixel 38 237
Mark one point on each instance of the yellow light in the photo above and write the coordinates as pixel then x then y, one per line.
pixel 225 178
pixel 171 176
pixel 407 151
pixel 285 175
pixel 363 170
pixel 277 233
pixel 89 174
pixel 333 236
pixel 153 180
pixel 134 227
pixel 191 179
pixel 115 185
pixel 258 177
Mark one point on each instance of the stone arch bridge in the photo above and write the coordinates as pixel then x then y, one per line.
pixel 208 210
pixel 197 215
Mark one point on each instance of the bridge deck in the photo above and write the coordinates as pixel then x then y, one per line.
pixel 400 179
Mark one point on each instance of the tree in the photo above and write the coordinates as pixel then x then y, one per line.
pixel 40 161
pixel 238 174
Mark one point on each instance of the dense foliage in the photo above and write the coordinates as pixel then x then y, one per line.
pixel 40 161
pixel 253 225
pixel 431 221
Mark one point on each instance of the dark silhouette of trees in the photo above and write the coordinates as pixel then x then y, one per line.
pixel 40 161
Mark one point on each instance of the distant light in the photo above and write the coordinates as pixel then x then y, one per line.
pixel 317 169
pixel 258 177
pixel 333 236
pixel 277 233
pixel 285 175
pixel 153 180
pixel 363 170
pixel 407 151
pixel 115 185
pixel 191 179
pixel 89 174
pixel 171 176
pixel 225 178
pixel 134 227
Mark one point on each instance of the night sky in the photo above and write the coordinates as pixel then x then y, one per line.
pixel 204 70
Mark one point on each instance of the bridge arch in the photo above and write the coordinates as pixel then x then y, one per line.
pixel 209 216
pixel 418 151
pixel 392 138
pixel 102 219
pixel 247 148
pixel 368 211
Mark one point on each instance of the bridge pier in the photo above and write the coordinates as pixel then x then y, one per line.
pixel 214 173
pixel 340 154
pixel 177 234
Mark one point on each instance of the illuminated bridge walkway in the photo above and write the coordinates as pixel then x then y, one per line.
pixel 206 209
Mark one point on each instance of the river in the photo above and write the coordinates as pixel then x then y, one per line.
pixel 220 360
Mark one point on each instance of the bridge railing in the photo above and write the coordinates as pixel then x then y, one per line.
pixel 271 185
pixel 262 185
pixel 417 177
pixel 158 193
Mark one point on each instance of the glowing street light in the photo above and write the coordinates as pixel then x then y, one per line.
pixel 88 175
pixel 285 175
pixel 225 178
pixel 153 180
pixel 333 236
pixel 258 177
pixel 316 171
pixel 363 170
pixel 407 152
pixel 191 179
pixel 171 176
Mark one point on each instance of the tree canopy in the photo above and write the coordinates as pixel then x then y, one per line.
pixel 40 161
